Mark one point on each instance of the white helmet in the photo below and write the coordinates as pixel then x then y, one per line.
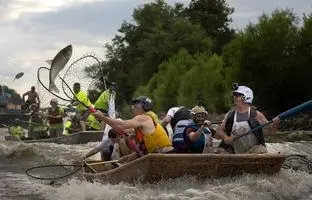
pixel 246 91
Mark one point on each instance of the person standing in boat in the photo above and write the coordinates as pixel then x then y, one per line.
pixel 33 97
pixel 4 99
pixel 81 105
pixel 55 117
pixel 37 128
pixel 240 120
pixel 150 135
pixel 194 135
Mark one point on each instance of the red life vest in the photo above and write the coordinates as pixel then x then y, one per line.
pixel 56 112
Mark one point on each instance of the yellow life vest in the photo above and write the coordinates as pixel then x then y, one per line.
pixel 158 138
pixel 68 124
pixel 93 122
pixel 102 101
pixel 16 131
pixel 83 98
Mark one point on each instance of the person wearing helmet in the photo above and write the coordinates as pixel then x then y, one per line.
pixel 55 117
pixel 196 135
pixel 239 121
pixel 148 132
pixel 33 97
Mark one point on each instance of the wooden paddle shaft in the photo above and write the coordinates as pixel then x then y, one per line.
pixel 101 162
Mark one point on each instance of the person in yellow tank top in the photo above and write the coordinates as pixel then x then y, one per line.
pixel 154 138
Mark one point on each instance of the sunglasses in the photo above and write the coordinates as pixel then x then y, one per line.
pixel 134 106
pixel 235 94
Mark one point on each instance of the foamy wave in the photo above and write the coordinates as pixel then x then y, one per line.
pixel 49 152
pixel 285 185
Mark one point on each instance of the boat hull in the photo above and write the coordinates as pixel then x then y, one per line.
pixel 155 167
pixel 74 138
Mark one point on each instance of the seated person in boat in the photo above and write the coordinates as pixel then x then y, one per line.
pixel 174 115
pixel 33 97
pixel 4 99
pixel 150 135
pixel 237 123
pixel 55 117
pixel 72 125
pixel 106 147
pixel 193 135
pixel 37 128
pixel 82 102
pixel 16 130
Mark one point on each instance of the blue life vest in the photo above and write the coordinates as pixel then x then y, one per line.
pixel 199 145
pixel 178 141
pixel 182 143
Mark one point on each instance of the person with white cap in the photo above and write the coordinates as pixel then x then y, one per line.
pixel 238 122
pixel 55 116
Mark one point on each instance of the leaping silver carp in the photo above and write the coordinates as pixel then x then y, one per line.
pixel 57 64
pixel 19 75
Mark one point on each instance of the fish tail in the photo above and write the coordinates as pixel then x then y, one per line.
pixel 52 87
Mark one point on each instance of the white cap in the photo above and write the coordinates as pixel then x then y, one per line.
pixel 247 92
pixel 54 100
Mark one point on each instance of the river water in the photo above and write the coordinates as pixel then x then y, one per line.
pixel 17 157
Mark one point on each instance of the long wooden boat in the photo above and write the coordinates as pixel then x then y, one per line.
pixel 74 138
pixel 154 167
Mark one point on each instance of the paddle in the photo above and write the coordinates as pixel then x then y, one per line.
pixel 291 112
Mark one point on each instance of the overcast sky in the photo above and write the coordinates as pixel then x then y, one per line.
pixel 32 31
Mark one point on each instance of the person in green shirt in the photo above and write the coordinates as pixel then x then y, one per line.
pixel 17 131
pixel 82 102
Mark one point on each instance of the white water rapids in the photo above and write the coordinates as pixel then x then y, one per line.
pixel 16 157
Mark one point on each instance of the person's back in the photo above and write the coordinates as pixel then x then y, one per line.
pixel 182 113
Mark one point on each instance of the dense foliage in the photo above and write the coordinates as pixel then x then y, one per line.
pixel 190 55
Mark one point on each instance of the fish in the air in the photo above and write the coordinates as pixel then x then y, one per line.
pixel 19 75
pixel 57 64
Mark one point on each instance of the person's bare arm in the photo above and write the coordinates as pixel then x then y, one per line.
pixel 25 94
pixel 166 120
pixel 263 120
pixel 195 135
pixel 137 121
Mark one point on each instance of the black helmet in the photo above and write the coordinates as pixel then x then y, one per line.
pixel 147 102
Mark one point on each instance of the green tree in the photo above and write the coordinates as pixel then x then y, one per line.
pixel 205 81
pixel 263 56
pixel 214 17
pixel 15 97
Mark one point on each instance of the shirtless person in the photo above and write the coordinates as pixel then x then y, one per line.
pixel 33 97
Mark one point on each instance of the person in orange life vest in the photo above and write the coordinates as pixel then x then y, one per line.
pixel 148 130
pixel 55 116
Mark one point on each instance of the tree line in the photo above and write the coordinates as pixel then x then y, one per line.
pixel 189 55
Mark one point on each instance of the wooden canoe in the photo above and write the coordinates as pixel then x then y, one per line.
pixel 154 167
pixel 74 138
